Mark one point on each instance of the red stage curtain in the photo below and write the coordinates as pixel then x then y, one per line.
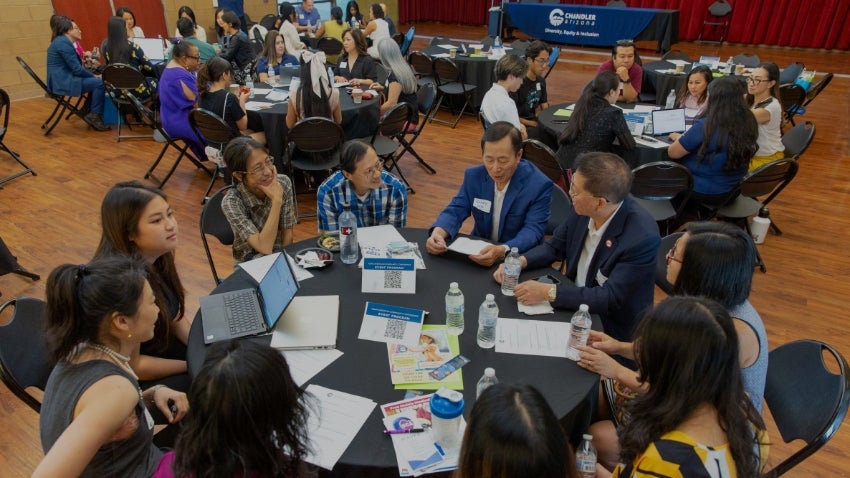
pixel 794 23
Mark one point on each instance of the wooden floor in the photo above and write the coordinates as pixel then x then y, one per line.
pixel 53 218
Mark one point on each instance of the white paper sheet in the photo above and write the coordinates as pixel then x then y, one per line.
pixel 305 364
pixel 301 274
pixel 536 309
pixel 679 62
pixel 334 420
pixel 278 96
pixel 257 105
pixel 257 268
pixel 448 46
pixel 645 108
pixel 468 246
pixel 532 337
pixel 262 91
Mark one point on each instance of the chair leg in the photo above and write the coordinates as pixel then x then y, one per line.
pixel 50 118
pixel 57 118
pixel 27 169
pixel 775 228
pixel 218 170
pixel 395 166
pixel 409 148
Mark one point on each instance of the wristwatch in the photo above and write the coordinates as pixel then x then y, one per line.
pixel 627 81
pixel 550 296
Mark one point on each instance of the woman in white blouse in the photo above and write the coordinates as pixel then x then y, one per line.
pixel 376 29
pixel 291 39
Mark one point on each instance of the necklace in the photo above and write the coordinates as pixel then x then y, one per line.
pixel 121 360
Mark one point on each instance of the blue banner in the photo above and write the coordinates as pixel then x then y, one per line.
pixel 579 24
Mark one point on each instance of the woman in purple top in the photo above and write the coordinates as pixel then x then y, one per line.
pixel 178 95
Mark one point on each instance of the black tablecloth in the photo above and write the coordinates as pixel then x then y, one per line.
pixel 363 369
pixel 358 120
pixel 657 85
pixel 640 155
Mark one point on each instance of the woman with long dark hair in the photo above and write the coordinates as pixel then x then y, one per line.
pixel 133 30
pixel 693 95
pixel 290 34
pixel 718 147
pixel 355 65
pixel 214 80
pixel 119 49
pixel 186 12
pixel 315 96
pixel 763 98
pixel 352 12
pixel 595 123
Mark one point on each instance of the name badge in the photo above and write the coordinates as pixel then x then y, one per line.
pixel 343 64
pixel 301 16
pixel 481 204
pixel 538 86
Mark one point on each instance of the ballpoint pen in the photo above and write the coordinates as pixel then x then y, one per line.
pixel 401 432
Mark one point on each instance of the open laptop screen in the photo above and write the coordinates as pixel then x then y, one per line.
pixel 153 47
pixel 277 289
pixel 668 121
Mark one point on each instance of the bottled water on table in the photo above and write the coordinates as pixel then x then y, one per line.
pixel 348 249
pixel 249 82
pixel 454 310
pixel 579 331
pixel 488 379
pixel 510 272
pixel 270 72
pixel 488 315
pixel 586 457
pixel 671 100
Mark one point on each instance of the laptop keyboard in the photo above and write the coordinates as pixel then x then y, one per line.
pixel 245 316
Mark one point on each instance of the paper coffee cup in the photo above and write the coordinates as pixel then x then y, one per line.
pixel 357 95
pixel 680 68
pixel 739 69
pixel 452 52
pixel 234 88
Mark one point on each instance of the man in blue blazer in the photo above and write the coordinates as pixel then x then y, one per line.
pixel 507 196
pixel 607 245
pixel 66 75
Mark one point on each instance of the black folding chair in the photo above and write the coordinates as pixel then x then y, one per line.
pixel 558 209
pixel 655 187
pixel 214 223
pixel 422 66
pixel 331 46
pixel 425 102
pixel 718 16
pixel 791 97
pixel 5 106
pixel 211 130
pixel 797 139
pixel 450 82
pixel 63 103
pixel 545 159
pixel 386 139
pixel 23 353
pixel 314 145
pixel 118 80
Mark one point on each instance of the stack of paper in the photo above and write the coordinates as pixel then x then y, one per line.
pixel 334 420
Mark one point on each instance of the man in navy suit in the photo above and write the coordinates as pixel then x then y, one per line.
pixel 507 196
pixel 66 75
pixel 607 245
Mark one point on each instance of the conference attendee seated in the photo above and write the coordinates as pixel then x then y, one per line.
pixel 595 122
pixel 274 55
pixel 308 17
pixel 531 97
pixel 355 65
pixel 513 432
pixel 376 29
pixel 607 243
pixel 763 98
pixel 178 93
pixel 233 430
pixel 186 29
pixel 497 104
pixel 507 197
pixel 622 63
pixel 315 96
pixel 390 23
pixel 66 75
pixel 117 48
pixel 375 196
pixel 694 419
pixel 214 80
pixel 237 48
pixel 260 207
pixel 133 30
pixel 289 31
pixel 199 32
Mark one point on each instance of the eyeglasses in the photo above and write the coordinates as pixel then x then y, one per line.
pixel 671 254
pixel 377 167
pixel 541 61
pixel 754 81
pixel 261 168
pixel 198 58
pixel 573 193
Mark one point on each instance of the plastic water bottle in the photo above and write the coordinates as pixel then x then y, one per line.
pixel 730 66
pixel 454 310
pixel 586 457
pixel 249 82
pixel 270 72
pixel 671 100
pixel 488 379
pixel 488 315
pixel 510 272
pixel 309 28
pixel 348 249
pixel 647 125
pixel 354 23
pixel 579 331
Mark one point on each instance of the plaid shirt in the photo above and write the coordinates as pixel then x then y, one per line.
pixel 247 215
pixel 386 204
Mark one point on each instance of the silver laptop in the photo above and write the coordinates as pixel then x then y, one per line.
pixel 250 311
pixel 154 48
pixel 310 322
pixel 665 122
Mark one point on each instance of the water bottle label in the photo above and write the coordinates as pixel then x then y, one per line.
pixel 345 230
pixel 587 466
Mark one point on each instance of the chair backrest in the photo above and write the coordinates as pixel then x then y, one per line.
pixel 317 135
pixel 399 39
pixel 749 60
pixel 210 128
pixel 791 97
pixel 616 3
pixel 544 158
pixel 268 21
pixel 33 75
pixel 815 90
pixel 214 223
pixel 769 180
pixel 122 76
pixel 23 352
pixel 488 41
pixel 558 209
pixel 676 55
pixel 425 97
pixel 553 60
pixel 807 401
pixel 408 39
pixel 519 46
pixel 446 71
pixel 5 105
pixel 661 180
pixel 393 122
pixel 791 72
pixel 329 45
pixel 484 123
pixel 797 139
pixel 421 64
pixel 720 8
pixel 661 261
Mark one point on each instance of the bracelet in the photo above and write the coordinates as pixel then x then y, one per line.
pixel 626 82
pixel 153 390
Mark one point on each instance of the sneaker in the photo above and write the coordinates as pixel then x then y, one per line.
pixel 96 122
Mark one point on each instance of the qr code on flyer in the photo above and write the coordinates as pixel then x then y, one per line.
pixel 395 329
pixel 392 279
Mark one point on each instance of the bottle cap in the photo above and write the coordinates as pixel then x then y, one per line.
pixel 447 404
pixel 583 307
pixel 489 372
pixel 514 250
pixel 453 285
pixel 489 297
pixel 587 436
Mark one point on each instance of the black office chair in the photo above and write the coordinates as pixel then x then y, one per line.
pixel 807 401
pixel 558 209
pixel 314 145
pixel 797 139
pixel 656 186
pixel 63 103
pixel 661 262
pixel 151 120
pixel 425 102
pixel 118 80
pixel 544 159
pixel 214 223
pixel 718 16
pixel 211 130
pixel 450 82
pixel 331 46
pixel 23 353
pixel 5 106
pixel 386 139
pixel 791 97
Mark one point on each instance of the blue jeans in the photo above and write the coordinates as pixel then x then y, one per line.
pixel 94 86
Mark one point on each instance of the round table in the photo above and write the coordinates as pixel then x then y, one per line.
pixel 639 156
pixel 358 120
pixel 363 368
pixel 657 81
